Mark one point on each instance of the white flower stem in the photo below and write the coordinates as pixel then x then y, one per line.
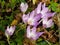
pixel 48 42
pixel 40 20
pixel 8 41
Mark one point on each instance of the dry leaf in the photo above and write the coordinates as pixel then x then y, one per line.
pixel 14 22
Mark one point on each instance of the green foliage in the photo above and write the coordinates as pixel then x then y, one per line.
pixel 42 43
pixel 12 3
pixel 12 43
pixel 40 39
pixel 22 0
pixel 19 37
pixel 3 3
pixel 54 6
pixel 2 43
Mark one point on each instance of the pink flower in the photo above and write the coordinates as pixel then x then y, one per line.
pixel 44 11
pixel 31 18
pixel 23 7
pixel 47 23
pixel 32 34
pixel 10 30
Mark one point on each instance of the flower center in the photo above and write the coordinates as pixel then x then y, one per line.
pixel 30 21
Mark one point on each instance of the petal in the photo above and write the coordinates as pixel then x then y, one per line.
pixel 11 30
pixel 32 14
pixel 43 6
pixel 28 29
pixel 28 32
pixel 33 30
pixel 25 18
pixel 44 9
pixel 7 28
pixel 37 17
pixel 49 23
pixel 36 24
pixel 39 34
pixel 38 9
pixel 49 14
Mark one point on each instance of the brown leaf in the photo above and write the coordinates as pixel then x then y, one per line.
pixel 14 22
pixel 29 42
pixel 56 19
pixel 55 0
pixel 46 1
pixel 8 10
pixel 49 35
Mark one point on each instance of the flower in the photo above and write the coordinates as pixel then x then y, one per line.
pixel 31 18
pixel 10 30
pixel 47 23
pixel 23 7
pixel 45 15
pixel 32 34
pixel 44 11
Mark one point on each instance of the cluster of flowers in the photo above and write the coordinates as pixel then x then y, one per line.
pixel 40 14
pixel 34 18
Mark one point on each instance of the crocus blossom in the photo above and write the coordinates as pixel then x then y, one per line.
pixel 45 12
pixel 24 7
pixel 47 23
pixel 32 34
pixel 31 18
pixel 10 30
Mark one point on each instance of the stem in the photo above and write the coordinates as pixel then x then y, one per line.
pixel 48 42
pixel 40 20
pixel 8 41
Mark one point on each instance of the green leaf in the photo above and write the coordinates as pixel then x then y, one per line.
pixel 53 6
pixel 12 43
pixel 12 3
pixel 20 37
pixel 2 3
pixel 42 43
pixel 40 39
pixel 22 0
